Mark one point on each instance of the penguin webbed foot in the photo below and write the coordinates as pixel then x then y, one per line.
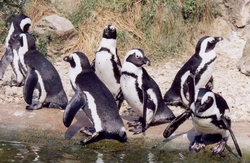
pixel 51 105
pixel 33 106
pixel 138 126
pixel 220 147
pixel 89 139
pixel 88 131
pixel 137 129
pixel 134 123
pixel 197 144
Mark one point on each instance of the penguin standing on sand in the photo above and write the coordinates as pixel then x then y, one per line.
pixel 40 74
pixel 202 64
pixel 107 64
pixel 210 115
pixel 142 93
pixel 20 24
pixel 95 99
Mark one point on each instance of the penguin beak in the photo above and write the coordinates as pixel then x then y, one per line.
pixel 146 61
pixel 66 59
pixel 217 39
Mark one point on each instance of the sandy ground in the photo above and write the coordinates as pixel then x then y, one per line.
pixel 47 124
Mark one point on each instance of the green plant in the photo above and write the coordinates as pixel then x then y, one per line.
pixel 83 12
pixel 197 10
pixel 42 44
pixel 8 10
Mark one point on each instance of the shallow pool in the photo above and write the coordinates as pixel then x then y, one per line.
pixel 110 151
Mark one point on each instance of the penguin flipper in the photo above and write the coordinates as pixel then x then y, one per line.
pixel 176 123
pixel 76 102
pixel 145 99
pixel 119 99
pixel 210 84
pixel 224 119
pixel 5 61
pixel 29 85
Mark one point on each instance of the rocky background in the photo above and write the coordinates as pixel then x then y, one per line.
pixel 230 75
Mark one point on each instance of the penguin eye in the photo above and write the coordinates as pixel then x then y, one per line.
pixel 136 55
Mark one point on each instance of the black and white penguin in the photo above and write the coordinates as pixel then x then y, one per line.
pixel 210 115
pixel 201 64
pixel 20 24
pixel 40 74
pixel 95 99
pixel 107 64
pixel 142 93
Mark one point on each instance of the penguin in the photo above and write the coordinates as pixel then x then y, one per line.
pixel 20 24
pixel 202 64
pixel 41 75
pixel 107 64
pixel 210 115
pixel 142 93
pixel 95 99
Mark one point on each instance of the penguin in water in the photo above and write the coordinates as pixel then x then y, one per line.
pixel 142 93
pixel 202 64
pixel 107 64
pixel 210 115
pixel 20 24
pixel 41 75
pixel 95 99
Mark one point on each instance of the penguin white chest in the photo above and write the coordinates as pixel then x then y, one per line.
pixel 204 125
pixel 129 86
pixel 205 69
pixel 105 71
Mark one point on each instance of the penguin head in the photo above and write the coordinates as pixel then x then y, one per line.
pixel 109 32
pixel 136 57
pixel 22 42
pixel 206 44
pixel 20 24
pixel 23 21
pixel 205 102
pixel 122 135
pixel 78 61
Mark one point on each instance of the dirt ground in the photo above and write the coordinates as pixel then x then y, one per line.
pixel 47 123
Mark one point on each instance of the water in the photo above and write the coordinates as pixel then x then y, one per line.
pixel 107 152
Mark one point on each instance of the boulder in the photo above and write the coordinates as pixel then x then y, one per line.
pixel 58 32
pixel 238 12
pixel 244 62
pixel 57 26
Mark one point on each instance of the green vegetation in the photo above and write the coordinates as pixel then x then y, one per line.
pixel 8 10
pixel 197 10
pixel 160 27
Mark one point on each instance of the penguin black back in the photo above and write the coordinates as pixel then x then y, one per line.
pixel 202 64
pixel 41 74
pixel 95 99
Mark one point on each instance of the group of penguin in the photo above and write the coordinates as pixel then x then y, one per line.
pixel 101 86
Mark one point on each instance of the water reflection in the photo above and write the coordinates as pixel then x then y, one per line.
pixel 99 158
pixel 11 151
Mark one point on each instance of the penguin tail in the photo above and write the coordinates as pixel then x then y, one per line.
pixel 163 115
pixel 233 137
pixel 170 98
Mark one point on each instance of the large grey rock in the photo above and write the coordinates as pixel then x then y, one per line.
pixel 238 12
pixel 56 25
pixel 59 31
pixel 244 62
